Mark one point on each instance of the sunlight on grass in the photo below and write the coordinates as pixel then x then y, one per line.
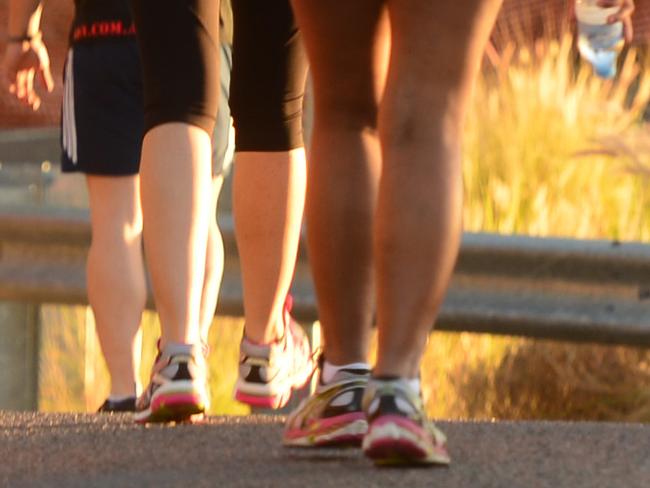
pixel 73 375
pixel 61 376
pixel 465 376
pixel 468 376
pixel 547 148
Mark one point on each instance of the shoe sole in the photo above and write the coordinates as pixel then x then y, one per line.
pixel 394 441
pixel 340 431
pixel 178 402
pixel 273 401
pixel 172 408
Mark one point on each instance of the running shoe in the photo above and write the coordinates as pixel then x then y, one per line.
pixel 333 415
pixel 117 406
pixel 177 391
pixel 399 432
pixel 269 373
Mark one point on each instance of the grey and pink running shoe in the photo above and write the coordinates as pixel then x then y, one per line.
pixel 332 416
pixel 399 432
pixel 270 373
pixel 177 391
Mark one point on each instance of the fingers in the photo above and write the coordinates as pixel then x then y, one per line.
pixel 626 19
pixel 21 85
pixel 44 67
pixel 46 78
pixel 625 11
pixel 33 100
pixel 24 89
pixel 627 29
pixel 30 95
pixel 624 15
pixel 616 3
pixel 36 104
pixel 621 15
pixel 10 80
pixel 25 69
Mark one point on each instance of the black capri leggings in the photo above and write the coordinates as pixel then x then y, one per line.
pixel 179 47
pixel 268 76
pixel 179 43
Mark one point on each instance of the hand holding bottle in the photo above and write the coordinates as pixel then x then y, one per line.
pixel 624 15
pixel 603 28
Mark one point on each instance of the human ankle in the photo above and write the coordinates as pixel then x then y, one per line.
pixel 264 333
pixel 120 398
pixel 330 370
pixel 414 384
pixel 122 391
pixel 397 367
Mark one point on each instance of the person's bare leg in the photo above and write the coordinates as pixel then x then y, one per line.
pixel 268 201
pixel 213 266
pixel 348 56
pixel 176 185
pixel 116 278
pixel 436 53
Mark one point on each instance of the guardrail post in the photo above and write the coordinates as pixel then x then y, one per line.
pixel 19 338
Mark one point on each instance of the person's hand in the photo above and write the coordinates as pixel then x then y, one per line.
pixel 25 65
pixel 626 7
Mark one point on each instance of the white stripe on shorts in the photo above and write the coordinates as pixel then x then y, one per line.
pixel 64 112
pixel 69 122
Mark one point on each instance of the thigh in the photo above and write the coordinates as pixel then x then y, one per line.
pixel 102 122
pixel 179 42
pixel 348 45
pixel 115 209
pixel 268 75
pixel 437 47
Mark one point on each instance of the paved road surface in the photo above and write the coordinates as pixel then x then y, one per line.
pixel 70 450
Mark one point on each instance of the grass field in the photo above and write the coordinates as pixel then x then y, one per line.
pixel 550 150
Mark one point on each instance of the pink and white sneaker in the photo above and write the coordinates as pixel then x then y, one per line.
pixel 269 373
pixel 332 415
pixel 177 391
pixel 399 432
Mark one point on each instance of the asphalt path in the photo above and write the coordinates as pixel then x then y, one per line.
pixel 71 450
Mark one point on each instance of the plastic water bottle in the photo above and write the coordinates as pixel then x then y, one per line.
pixel 599 42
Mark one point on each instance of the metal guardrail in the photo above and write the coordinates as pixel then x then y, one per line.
pixel 30 145
pixel 537 287
pixel 561 289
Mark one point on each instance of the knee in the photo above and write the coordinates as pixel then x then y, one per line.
pixel 117 238
pixel 434 120
pixel 279 128
pixel 267 119
pixel 347 113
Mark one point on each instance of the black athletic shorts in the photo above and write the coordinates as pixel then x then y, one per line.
pixel 103 109
pixel 268 76
pixel 177 41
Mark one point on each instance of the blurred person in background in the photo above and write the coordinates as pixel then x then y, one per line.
pixel 102 128
pixel 392 84
pixel 269 182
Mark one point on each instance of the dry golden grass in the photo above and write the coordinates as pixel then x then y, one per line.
pixel 550 150
pixel 465 376
pixel 74 376
pixel 61 376
pixel 487 377
pixel 549 146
